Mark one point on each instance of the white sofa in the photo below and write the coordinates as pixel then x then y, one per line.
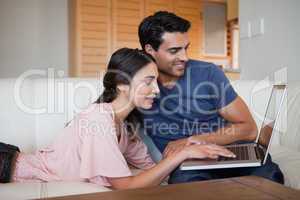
pixel 32 111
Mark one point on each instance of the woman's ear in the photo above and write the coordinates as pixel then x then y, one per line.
pixel 123 88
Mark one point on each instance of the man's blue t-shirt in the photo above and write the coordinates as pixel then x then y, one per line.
pixel 191 106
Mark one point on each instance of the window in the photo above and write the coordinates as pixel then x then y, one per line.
pixel 214 23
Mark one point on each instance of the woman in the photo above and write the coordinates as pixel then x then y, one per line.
pixel 101 141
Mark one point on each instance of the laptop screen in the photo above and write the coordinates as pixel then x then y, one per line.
pixel 271 115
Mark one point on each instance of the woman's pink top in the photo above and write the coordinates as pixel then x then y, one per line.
pixel 87 150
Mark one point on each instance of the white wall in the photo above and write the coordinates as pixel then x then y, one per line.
pixel 279 47
pixel 33 35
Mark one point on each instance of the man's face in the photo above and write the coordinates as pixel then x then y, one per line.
pixel 171 56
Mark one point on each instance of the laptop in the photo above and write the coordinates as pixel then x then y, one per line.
pixel 250 154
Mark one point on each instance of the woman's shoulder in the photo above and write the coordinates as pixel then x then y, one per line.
pixel 97 111
pixel 95 119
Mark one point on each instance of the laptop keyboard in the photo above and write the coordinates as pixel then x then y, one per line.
pixel 241 153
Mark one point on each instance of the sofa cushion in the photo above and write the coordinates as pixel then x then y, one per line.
pixel 33 190
pixel 17 126
pixel 60 100
pixel 291 136
pixel 289 162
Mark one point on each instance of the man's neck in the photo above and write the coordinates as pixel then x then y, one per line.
pixel 167 80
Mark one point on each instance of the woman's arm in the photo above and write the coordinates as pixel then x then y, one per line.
pixel 158 173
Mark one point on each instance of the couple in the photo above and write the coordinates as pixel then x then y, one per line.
pixel 100 143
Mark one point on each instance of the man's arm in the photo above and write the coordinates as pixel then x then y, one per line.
pixel 242 127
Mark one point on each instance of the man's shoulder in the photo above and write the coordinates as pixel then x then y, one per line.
pixel 201 65
pixel 198 63
pixel 197 67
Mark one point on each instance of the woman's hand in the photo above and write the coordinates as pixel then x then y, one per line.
pixel 175 146
pixel 201 151
pixel 178 145
pixel 159 172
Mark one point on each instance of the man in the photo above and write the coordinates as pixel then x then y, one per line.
pixel 197 104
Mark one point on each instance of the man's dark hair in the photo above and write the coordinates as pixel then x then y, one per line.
pixel 154 26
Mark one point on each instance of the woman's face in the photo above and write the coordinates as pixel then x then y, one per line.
pixel 143 87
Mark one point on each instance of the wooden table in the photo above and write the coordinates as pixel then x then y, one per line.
pixel 247 187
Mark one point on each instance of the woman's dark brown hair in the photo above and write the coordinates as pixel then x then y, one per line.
pixel 122 67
